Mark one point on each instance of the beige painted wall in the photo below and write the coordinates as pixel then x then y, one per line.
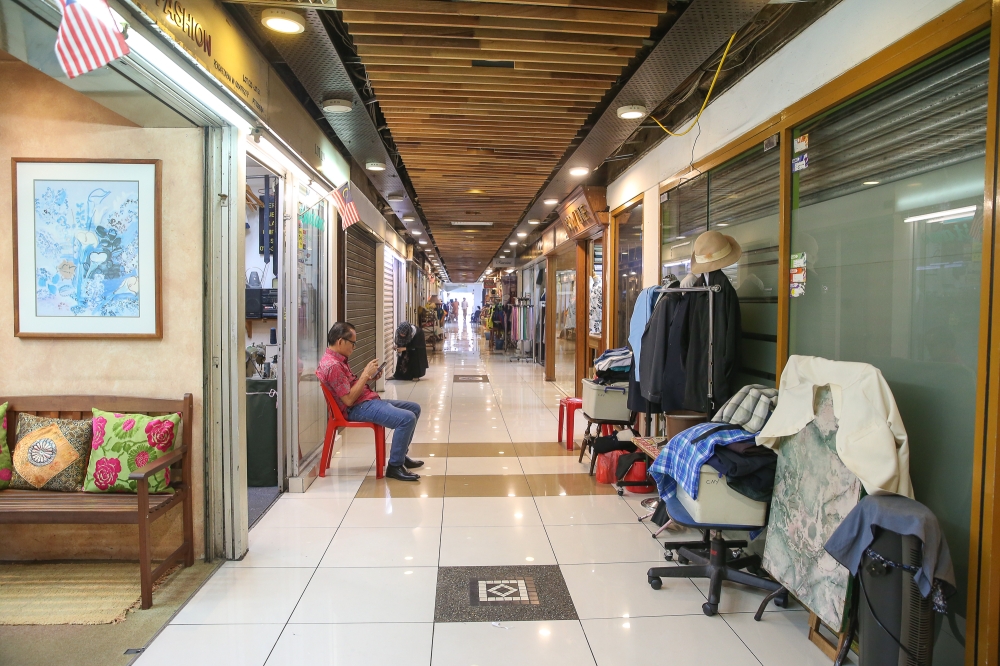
pixel 40 117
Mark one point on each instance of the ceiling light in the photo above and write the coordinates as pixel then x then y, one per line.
pixel 337 105
pixel 422 241
pixel 417 232
pixel 375 166
pixel 284 21
pixel 870 182
pixel 631 112
pixel 550 202
pixel 394 198
pixel 579 171
pixel 474 191
pixel 471 223
pixel 408 218
pixel 513 243
pixel 522 234
pixel 534 221
pixel 944 215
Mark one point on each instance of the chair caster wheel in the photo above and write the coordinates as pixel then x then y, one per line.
pixel 655 582
pixel 781 601
pixel 709 609
pixel 621 492
pixel 669 555
pixel 682 560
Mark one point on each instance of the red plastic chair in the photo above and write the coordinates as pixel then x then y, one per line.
pixel 337 420
pixel 567 407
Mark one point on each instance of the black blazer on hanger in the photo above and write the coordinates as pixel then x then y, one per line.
pixel 728 334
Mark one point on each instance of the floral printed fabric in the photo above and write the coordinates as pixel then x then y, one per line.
pixel 50 454
pixel 125 442
pixel 6 465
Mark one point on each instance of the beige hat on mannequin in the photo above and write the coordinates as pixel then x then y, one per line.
pixel 713 251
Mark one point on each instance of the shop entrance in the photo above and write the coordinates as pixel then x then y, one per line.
pixel 265 338
pixel 564 352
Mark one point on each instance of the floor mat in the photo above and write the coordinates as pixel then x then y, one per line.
pixel 502 594
pixel 259 500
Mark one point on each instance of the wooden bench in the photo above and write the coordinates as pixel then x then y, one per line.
pixel 41 507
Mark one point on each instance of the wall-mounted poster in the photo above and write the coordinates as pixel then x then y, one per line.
pixel 87 248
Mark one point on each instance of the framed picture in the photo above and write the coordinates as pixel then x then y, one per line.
pixel 86 248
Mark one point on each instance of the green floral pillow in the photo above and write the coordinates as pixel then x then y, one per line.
pixel 125 442
pixel 6 464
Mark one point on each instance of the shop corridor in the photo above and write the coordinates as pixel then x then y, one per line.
pixel 356 572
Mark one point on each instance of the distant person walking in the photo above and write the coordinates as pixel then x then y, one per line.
pixel 465 310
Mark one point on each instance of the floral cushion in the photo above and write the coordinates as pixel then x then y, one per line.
pixel 6 464
pixel 50 454
pixel 123 443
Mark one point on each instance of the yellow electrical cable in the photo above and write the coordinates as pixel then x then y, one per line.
pixel 707 97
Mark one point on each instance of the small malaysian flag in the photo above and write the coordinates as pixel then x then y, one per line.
pixel 345 204
pixel 88 37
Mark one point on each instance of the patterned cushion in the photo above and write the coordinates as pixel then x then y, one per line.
pixel 6 464
pixel 123 443
pixel 50 454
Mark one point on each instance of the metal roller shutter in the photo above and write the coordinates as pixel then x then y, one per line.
pixel 388 312
pixel 359 296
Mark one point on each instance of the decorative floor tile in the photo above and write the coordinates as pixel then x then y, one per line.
pixel 471 378
pixel 502 594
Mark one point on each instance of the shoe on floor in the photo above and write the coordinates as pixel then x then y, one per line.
pixel 410 463
pixel 400 473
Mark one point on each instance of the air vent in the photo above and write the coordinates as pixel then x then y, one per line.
pixel 507 64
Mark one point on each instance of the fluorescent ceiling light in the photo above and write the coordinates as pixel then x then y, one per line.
pixel 512 243
pixel 579 171
pixel 945 215
pixel 522 234
pixel 337 105
pixel 422 241
pixel 408 218
pixel 870 182
pixel 631 112
pixel 534 221
pixel 550 202
pixel 471 223
pixel 283 21
pixel 375 166
pixel 417 232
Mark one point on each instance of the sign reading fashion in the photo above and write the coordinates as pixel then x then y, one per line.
pixel 186 21
pixel 583 209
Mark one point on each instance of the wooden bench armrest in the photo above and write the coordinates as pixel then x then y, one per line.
pixel 160 463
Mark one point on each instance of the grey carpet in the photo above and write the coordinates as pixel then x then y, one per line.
pixel 259 500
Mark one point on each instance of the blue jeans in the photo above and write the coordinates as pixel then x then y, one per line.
pixel 399 415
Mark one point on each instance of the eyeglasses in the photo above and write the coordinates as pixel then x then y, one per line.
pixel 353 342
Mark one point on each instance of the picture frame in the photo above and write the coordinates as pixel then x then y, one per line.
pixel 87 248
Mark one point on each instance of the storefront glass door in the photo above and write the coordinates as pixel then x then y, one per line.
pixel 628 279
pixel 595 300
pixel 565 324
pixel 887 230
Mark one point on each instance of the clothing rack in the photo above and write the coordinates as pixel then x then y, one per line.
pixel 711 289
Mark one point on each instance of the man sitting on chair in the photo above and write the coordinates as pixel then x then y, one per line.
pixel 360 403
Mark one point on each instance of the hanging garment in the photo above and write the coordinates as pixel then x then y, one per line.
pixel 680 459
pixel 871 439
pixel 694 343
pixel 749 408
pixel 641 313
pixel 661 366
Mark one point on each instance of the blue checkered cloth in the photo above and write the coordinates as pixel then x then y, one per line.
pixel 681 458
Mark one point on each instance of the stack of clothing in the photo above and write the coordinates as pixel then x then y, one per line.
pixel 728 444
pixel 614 365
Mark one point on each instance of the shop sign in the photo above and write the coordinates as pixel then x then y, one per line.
pixel 586 207
pixel 503 262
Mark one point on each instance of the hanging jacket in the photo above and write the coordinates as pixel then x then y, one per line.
pixel 641 314
pixel 652 352
pixel 663 375
pixel 694 344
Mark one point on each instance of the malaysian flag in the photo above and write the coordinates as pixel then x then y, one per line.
pixel 348 211
pixel 88 37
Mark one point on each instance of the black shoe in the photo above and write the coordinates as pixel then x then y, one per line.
pixel 399 472
pixel 410 463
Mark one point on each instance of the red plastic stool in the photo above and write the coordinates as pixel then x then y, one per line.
pixel 567 407
pixel 337 420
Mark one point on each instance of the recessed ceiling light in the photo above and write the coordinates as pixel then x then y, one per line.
pixel 870 182
pixel 579 171
pixel 394 198
pixel 522 234
pixel 550 202
pixel 422 241
pixel 513 243
pixel 474 191
pixel 534 221
pixel 337 105
pixel 284 21
pixel 375 166
pixel 417 232
pixel 408 218
pixel 631 112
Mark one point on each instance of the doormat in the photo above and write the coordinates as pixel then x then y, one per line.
pixel 72 593
pixel 502 594
pixel 474 379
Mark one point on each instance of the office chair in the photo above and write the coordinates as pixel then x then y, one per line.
pixel 709 558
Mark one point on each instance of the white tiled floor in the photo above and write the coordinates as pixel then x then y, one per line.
pixel 336 579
